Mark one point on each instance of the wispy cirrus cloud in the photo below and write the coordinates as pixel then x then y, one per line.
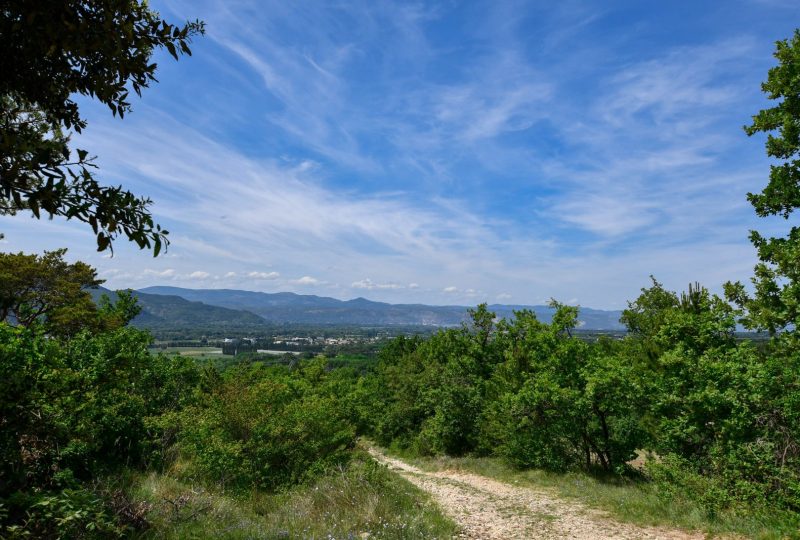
pixel 452 153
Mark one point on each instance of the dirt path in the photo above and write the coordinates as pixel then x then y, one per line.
pixel 488 509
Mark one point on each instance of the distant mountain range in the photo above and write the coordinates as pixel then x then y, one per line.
pixel 174 311
pixel 179 306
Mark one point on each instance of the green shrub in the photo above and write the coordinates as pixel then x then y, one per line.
pixel 67 514
pixel 71 411
pixel 266 427
pixel 304 439
pixel 560 403
pixel 726 408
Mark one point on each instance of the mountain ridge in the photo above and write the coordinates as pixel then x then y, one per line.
pixel 288 307
pixel 172 310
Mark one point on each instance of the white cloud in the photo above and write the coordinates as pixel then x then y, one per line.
pixel 472 293
pixel 230 274
pixel 413 285
pixel 370 285
pixel 306 280
pixel 451 289
pixel 607 215
pixel 503 296
pixel 198 274
pixel 169 272
pixel 264 275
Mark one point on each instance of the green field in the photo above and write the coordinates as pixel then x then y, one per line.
pixel 198 353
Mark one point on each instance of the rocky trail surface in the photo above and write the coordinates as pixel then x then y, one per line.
pixel 488 509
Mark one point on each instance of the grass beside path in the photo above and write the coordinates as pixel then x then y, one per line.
pixel 629 500
pixel 361 500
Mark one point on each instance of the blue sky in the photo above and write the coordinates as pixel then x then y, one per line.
pixel 445 153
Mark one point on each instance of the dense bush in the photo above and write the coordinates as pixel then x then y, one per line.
pixel 562 403
pixel 430 393
pixel 72 411
pixel 68 513
pixel 266 427
pixel 729 410
pixel 525 390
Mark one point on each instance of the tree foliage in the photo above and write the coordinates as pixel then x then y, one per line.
pixel 50 51
pixel 47 291
pixel 71 411
pixel 521 389
pixel 775 302
pixel 266 427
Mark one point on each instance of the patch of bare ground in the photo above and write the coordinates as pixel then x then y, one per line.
pixel 487 509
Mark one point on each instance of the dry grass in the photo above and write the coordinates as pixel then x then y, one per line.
pixel 361 500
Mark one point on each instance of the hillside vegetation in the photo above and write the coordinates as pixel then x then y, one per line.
pixel 101 438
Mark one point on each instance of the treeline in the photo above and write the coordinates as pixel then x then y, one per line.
pixel 166 332
pixel 719 417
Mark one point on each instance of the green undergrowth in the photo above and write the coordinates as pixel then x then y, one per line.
pixel 632 500
pixel 359 500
